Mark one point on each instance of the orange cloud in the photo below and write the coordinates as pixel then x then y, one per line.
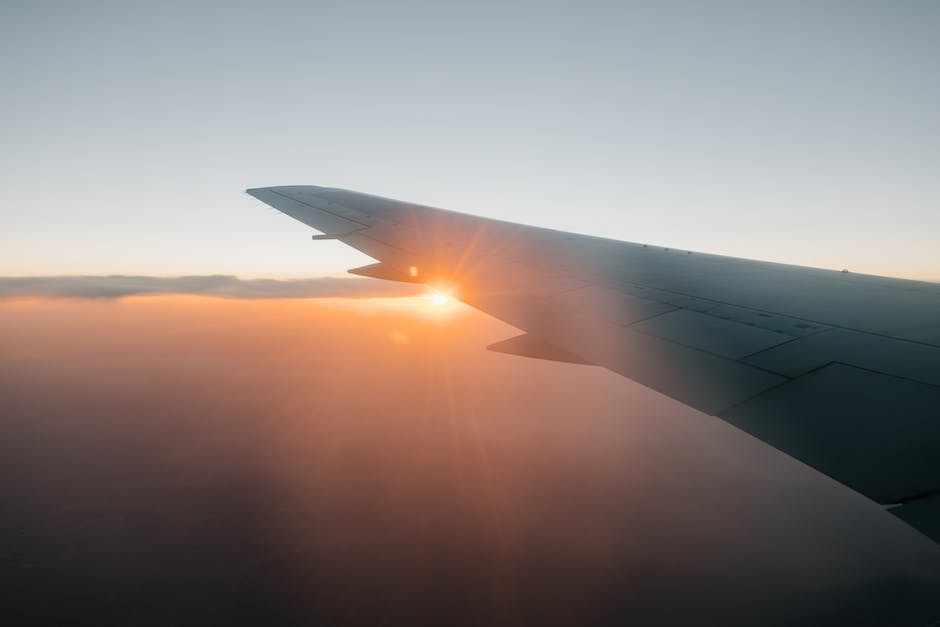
pixel 208 459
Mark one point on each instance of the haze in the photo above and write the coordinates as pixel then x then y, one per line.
pixel 197 460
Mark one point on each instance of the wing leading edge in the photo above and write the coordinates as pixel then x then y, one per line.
pixel 841 371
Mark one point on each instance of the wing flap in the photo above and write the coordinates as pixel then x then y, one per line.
pixel 900 358
pixel 876 433
pixel 711 334
pixel 527 346
pixel 701 380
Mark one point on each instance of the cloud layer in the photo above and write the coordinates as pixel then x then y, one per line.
pixel 119 286
pixel 290 462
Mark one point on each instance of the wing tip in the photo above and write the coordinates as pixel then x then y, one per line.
pixel 255 191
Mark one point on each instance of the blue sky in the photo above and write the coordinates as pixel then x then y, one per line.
pixel 804 132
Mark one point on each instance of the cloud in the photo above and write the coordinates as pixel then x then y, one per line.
pixel 119 286
pixel 284 462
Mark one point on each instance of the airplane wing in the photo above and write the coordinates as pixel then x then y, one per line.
pixel 841 371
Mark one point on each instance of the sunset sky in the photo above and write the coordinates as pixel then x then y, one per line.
pixel 204 419
pixel 805 132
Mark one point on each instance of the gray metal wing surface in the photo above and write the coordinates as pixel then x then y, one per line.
pixel 839 370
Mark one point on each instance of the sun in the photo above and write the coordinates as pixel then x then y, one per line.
pixel 439 300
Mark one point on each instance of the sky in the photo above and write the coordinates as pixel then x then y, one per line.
pixel 200 418
pixel 189 459
pixel 803 132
